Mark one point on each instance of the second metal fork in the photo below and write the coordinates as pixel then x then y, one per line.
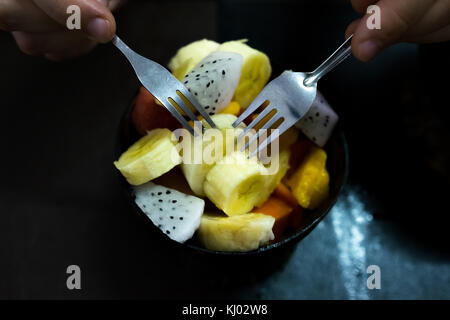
pixel 287 99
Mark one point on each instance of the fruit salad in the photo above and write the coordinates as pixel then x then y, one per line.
pixel 231 202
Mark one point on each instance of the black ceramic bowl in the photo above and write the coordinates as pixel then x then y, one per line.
pixel 337 165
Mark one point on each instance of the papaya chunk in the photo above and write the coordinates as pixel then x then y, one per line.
pixel 282 192
pixel 278 209
pixel 147 114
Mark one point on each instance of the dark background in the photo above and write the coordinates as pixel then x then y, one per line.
pixel 61 202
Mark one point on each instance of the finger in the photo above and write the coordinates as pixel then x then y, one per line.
pixel 437 17
pixel 396 18
pixel 115 4
pixel 360 6
pixel 24 15
pixel 97 21
pixel 62 43
pixel 351 28
pixel 436 36
pixel 75 46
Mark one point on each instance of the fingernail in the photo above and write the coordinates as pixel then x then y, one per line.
pixel 369 49
pixel 98 29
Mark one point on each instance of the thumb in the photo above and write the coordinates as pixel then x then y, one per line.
pixel 97 21
pixel 395 19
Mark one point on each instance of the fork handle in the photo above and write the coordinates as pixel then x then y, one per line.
pixel 342 53
pixel 120 44
pixel 132 56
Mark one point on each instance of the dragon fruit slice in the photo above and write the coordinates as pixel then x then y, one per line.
pixel 214 80
pixel 319 122
pixel 176 214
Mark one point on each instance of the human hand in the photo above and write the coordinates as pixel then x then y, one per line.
pixel 39 26
pixel 418 21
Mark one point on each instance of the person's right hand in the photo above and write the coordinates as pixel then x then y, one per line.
pixel 39 26
pixel 418 21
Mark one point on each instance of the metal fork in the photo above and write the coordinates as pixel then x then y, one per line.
pixel 164 86
pixel 289 98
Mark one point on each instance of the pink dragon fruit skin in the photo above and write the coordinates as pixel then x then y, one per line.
pixel 319 122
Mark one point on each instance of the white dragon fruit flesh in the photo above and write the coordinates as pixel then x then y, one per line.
pixel 214 80
pixel 319 122
pixel 176 214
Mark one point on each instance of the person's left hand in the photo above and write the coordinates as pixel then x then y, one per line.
pixel 39 26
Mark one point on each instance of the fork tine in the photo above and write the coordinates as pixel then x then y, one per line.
pixel 259 100
pixel 272 121
pixel 205 115
pixel 179 117
pixel 253 139
pixel 279 131
pixel 188 96
pixel 180 103
pixel 266 127
pixel 261 116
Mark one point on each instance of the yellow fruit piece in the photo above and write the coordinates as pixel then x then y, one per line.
pixel 238 184
pixel 222 121
pixel 237 233
pixel 256 71
pixel 275 176
pixel 235 183
pixel 322 189
pixel 233 108
pixel 188 56
pixel 195 173
pixel 310 183
pixel 149 157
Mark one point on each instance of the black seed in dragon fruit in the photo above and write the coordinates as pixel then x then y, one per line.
pixel 214 80
pixel 319 122
pixel 176 214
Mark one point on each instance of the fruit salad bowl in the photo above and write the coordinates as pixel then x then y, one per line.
pixel 337 165
pixel 190 207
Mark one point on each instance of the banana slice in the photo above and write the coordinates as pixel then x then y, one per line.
pixel 235 183
pixel 188 56
pixel 275 177
pixel 195 173
pixel 256 71
pixel 149 157
pixel 237 233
